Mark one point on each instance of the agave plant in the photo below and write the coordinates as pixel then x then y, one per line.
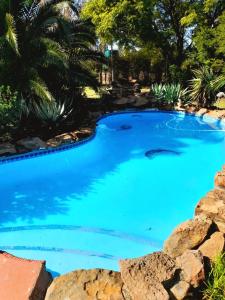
pixel 52 114
pixel 204 86
pixel 168 94
pixel 172 93
pixel 43 46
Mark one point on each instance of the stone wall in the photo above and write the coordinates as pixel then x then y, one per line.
pixel 177 272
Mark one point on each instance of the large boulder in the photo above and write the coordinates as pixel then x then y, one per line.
pixel 96 284
pixel 145 277
pixel 220 179
pixel 213 206
pixel 201 112
pixel 7 149
pixel 186 236
pixel 31 143
pixel 192 267
pixel 214 246
pixel 22 279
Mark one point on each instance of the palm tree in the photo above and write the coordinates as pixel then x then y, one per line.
pixel 43 49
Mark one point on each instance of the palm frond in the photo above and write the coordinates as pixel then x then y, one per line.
pixel 11 34
pixel 40 89
pixel 219 82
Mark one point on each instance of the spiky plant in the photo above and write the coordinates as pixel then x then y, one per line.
pixel 52 114
pixel 203 87
pixel 167 94
pixel 43 46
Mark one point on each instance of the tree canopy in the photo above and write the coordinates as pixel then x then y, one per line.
pixel 187 33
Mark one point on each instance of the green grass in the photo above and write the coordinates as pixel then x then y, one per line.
pixel 91 93
pixel 220 103
pixel 215 285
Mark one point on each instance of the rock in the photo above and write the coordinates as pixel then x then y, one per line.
pixel 180 290
pixel 186 236
pixel 124 101
pixel 192 266
pixel 214 246
pixel 140 101
pixel 61 139
pixel 93 284
pixel 218 114
pixel 7 148
pixel 144 277
pixel 31 143
pixel 213 207
pixel 220 95
pixel 191 109
pixel 220 179
pixel 202 112
pixel 84 133
pixel 22 279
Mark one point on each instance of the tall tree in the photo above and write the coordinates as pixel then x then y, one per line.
pixel 207 19
pixel 121 21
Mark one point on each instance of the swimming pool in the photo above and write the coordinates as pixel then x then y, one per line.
pixel 118 195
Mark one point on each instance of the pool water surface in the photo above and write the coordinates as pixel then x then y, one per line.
pixel 116 196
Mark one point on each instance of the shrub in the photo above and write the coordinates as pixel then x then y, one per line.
pixel 9 108
pixel 168 94
pixel 50 114
pixel 204 86
pixel 215 285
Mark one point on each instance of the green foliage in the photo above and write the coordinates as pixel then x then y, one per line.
pixel 9 107
pixel 123 21
pixel 52 114
pixel 184 33
pixel 43 49
pixel 220 103
pixel 219 35
pixel 204 86
pixel 168 94
pixel 215 285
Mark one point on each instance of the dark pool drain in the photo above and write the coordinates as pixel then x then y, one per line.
pixel 155 152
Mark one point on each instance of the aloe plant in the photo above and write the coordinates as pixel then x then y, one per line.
pixel 52 114
pixel 167 94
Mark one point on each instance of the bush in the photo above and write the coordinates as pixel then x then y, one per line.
pixel 9 108
pixel 215 285
pixel 168 94
pixel 204 85
pixel 50 114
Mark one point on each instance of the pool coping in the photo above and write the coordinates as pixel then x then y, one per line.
pixel 51 150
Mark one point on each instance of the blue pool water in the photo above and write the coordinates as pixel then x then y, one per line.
pixel 119 195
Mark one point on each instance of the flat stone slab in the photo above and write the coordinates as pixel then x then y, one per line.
pixel 22 279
